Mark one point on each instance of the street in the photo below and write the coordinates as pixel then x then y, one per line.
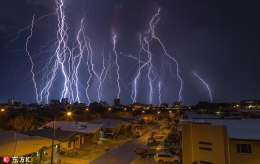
pixel 124 153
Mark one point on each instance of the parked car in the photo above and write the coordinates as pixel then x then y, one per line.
pixel 165 157
pixel 150 140
pixel 158 138
pixel 153 133
pixel 138 134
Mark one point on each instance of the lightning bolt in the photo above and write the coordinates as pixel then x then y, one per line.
pixel 17 34
pixel 156 38
pixel 102 76
pixel 151 80
pixel 67 55
pixel 204 84
pixel 141 65
pixel 88 68
pixel 160 87
pixel 117 70
pixel 79 57
pixel 28 53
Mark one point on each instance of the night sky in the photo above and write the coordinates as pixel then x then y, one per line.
pixel 219 40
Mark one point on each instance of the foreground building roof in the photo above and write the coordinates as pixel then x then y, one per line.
pixel 60 135
pixel 246 129
pixel 15 144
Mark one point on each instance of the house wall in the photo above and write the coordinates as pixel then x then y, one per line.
pixel 77 142
pixel 65 145
pixel 95 136
pixel 242 158
pixel 204 142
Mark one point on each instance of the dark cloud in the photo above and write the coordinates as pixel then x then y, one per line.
pixel 3 28
pixel 219 40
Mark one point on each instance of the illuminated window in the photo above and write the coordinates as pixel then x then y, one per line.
pixel 69 144
pixel 244 148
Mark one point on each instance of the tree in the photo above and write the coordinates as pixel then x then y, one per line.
pixel 128 129
pixel 22 122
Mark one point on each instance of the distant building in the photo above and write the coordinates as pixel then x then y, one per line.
pixel 250 104
pixel 137 105
pixel 104 103
pixel 18 104
pixel 116 102
pixel 164 105
pixel 64 102
pixel 10 102
pixel 177 106
pixel 55 104
pixel 79 105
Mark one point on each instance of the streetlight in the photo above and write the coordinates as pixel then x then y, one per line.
pixel 69 113
pixel 2 110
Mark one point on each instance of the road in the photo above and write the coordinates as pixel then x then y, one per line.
pixel 124 153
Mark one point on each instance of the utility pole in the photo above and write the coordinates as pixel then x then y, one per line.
pixel 53 136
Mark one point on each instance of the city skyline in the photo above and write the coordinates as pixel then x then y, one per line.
pixel 147 52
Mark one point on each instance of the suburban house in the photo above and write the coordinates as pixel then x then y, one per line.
pixel 19 147
pixel 67 139
pixel 85 132
pixel 225 141
pixel 111 127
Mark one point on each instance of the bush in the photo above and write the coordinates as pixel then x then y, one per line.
pixel 75 153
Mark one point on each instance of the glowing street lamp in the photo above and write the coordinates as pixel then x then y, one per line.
pixel 68 113
pixel 2 110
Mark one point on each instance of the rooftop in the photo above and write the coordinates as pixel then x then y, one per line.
pixel 15 144
pixel 110 123
pixel 83 127
pixel 247 129
pixel 60 135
